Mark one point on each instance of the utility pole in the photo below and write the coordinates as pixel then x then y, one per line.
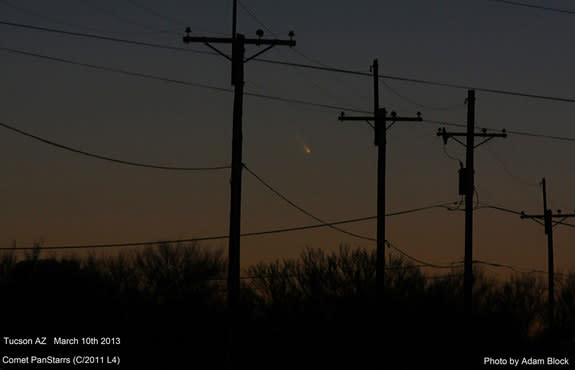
pixel 237 59
pixel 467 187
pixel 547 217
pixel 380 118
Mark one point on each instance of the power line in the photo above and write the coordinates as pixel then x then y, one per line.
pixel 294 49
pixel 514 132
pixel 509 267
pixel 257 95
pixel 518 213
pixel 300 65
pixel 426 82
pixel 421 262
pixel 113 14
pixel 255 18
pixel 105 158
pixel 540 7
pixel 104 38
pixel 155 13
pixel 219 237
pixel 552 137
pixel 180 82
pixel 51 19
pixel 508 172
pixel 303 210
pixel 417 104
pixel 208 238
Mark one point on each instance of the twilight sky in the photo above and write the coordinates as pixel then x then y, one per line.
pixel 64 198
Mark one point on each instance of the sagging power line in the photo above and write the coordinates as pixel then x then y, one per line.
pixel 532 6
pixel 106 158
pixel 307 213
pixel 257 95
pixel 460 86
pixel 443 205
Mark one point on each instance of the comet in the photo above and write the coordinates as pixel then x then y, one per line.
pixel 304 146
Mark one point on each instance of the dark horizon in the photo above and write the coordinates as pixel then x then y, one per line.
pixel 166 305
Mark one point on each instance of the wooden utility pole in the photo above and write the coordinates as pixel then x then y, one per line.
pixel 547 217
pixel 380 118
pixel 238 59
pixel 468 187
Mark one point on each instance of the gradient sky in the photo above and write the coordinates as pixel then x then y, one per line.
pixel 63 198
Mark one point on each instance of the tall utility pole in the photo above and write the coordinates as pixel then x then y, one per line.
pixel 380 118
pixel 238 59
pixel 547 217
pixel 467 187
pixel 238 42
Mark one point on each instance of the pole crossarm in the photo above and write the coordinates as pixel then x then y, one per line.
pixel 556 215
pixel 228 40
pixel 445 135
pixel 380 117
pixel 393 117
pixel 343 117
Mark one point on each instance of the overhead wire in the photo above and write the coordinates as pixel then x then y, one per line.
pixel 105 38
pixel 532 6
pixel 122 19
pixel 301 65
pixel 275 231
pixel 154 12
pixel 219 237
pixel 180 82
pixel 425 82
pixel 509 267
pixel 39 14
pixel 168 19
pixel 302 210
pixel 423 263
pixel 508 171
pixel 418 104
pixel 319 63
pixel 518 213
pixel 106 158
pixel 189 240
pixel 258 95
pixel 514 132
pixel 252 14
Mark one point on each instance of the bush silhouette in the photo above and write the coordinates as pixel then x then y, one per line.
pixel 168 304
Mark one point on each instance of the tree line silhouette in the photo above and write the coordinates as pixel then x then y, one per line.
pixel 168 305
